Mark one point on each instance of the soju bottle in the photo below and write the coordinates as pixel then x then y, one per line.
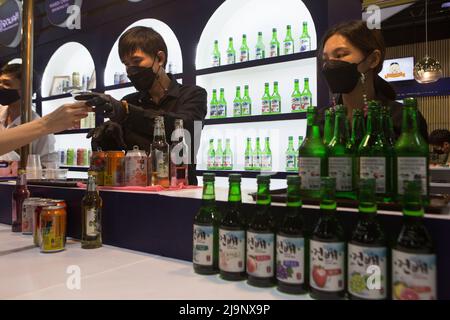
pixel 266 100
pixel 389 136
pixel 211 156
pixel 300 142
pixel 327 249
pixel 411 151
pixel 246 109
pixel 216 59
pixel 260 48
pixel 274 44
pixel 248 165
pixel 245 51
pixel 328 130
pixel 218 162
pixel 91 218
pixel 206 231
pixel 237 103
pixel 231 53
pixel 257 153
pixel 214 104
pixel 232 231
pixel 266 159
pixel 413 256
pixel 358 133
pixel 375 155
pixel 312 158
pixel 305 39
pixel 160 155
pixel 289 41
pixel 296 97
pixel 227 157
pixel 306 97
pixel 275 99
pixel 367 250
pixel 261 239
pixel 222 105
pixel 291 243
pixel 291 154
pixel 340 161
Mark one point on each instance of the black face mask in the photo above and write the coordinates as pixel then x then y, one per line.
pixel 8 96
pixel 142 78
pixel 342 76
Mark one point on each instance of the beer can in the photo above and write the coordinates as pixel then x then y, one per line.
pixel 71 157
pixel 115 169
pixel 62 157
pixel 53 222
pixel 136 168
pixel 98 165
pixel 28 207
pixel 42 203
pixel 80 157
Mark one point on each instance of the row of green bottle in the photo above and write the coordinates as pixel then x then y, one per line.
pixel 275 48
pixel 257 159
pixel 220 159
pixel 292 155
pixel 269 250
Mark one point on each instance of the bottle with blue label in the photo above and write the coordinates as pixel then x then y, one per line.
pixel 274 44
pixel 306 97
pixel 216 57
pixel 265 101
pixel 231 53
pixel 213 105
pixel 222 105
pixel 291 155
pixel 275 100
pixel 296 97
pixel 260 48
pixel 305 39
pixel 289 41
pixel 246 102
pixel 245 50
pixel 237 103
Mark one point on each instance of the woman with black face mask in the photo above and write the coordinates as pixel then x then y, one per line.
pixel 351 58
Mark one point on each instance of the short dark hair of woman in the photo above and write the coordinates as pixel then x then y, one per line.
pixel 439 137
pixel 142 38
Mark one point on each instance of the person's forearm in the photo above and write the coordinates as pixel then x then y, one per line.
pixel 12 139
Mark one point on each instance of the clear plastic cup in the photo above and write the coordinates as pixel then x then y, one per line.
pixel 34 167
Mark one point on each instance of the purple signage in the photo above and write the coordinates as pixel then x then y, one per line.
pixel 10 23
pixel 59 11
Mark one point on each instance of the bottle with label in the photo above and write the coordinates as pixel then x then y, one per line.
pixel 231 53
pixel 414 275
pixel 246 102
pixel 387 126
pixel 266 99
pixel 341 157
pixel 291 155
pixel 266 159
pixel 289 41
pixel 275 99
pixel 232 231
pixel 306 97
pixel 411 151
pixel 222 105
pixel 327 249
pixel 261 239
pixel 245 50
pixel 211 162
pixel 20 194
pixel 328 130
pixel 257 154
pixel 218 162
pixel 305 39
pixel 237 103
pixel 312 158
pixel 248 165
pixel 367 250
pixel 260 48
pixel 300 142
pixel 206 231
pixel 216 59
pixel 296 98
pixel 213 105
pixel 375 155
pixel 227 156
pixel 291 271
pixel 91 218
pixel 274 44
pixel 358 133
pixel 160 155
pixel 179 156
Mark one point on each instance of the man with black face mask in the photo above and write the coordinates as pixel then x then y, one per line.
pixel 144 53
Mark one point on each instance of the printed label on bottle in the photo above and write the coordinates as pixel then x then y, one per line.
pixel 213 111
pixel 237 109
pixel 296 104
pixel 291 260
pixel 231 58
pixel 273 51
pixel 266 106
pixel 413 276
pixel 367 267
pixel 410 169
pixel 374 168
pixel 246 108
pixel 305 102
pixel 256 161
pixel 210 162
pixel 220 110
pixel 232 250
pixel 203 245
pixel 91 222
pixel 305 45
pixel 244 56
pixel 288 47
pixel 216 61
pixel 290 162
pixel 275 106
pixel 266 161
pixel 260 254
pixel 327 263
pixel 248 161
pixel 227 161
pixel 341 170
pixel 259 54
pixel 162 166
pixel 310 172
pixel 218 161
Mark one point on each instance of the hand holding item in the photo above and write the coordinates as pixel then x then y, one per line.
pixel 105 105
pixel 65 117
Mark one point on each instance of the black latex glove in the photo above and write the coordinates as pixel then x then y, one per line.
pixel 104 105
pixel 107 137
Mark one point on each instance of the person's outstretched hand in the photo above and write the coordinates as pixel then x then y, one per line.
pixel 104 105
pixel 65 117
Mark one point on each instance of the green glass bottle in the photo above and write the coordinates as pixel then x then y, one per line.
pixel 327 249
pixel 312 158
pixel 261 239
pixel 358 133
pixel 341 157
pixel 222 105
pixel 228 156
pixel 206 231
pixel 375 155
pixel 413 255
pixel 300 142
pixel 246 109
pixel 266 157
pixel 260 48
pixel 291 155
pixel 91 218
pixel 275 99
pixel 296 97
pixel 306 97
pixel 245 50
pixel 328 130
pixel 218 162
pixel 305 39
pixel 367 250
pixel 231 53
pixel 237 103
pixel 211 156
pixel 216 57
pixel 389 136
pixel 213 105
pixel 289 47
pixel 411 151
pixel 291 249
pixel 232 231
pixel 266 100
pixel 248 165
pixel 274 44
pixel 257 154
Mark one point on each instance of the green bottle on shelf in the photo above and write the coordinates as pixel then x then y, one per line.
pixel 291 154
pixel 275 100
pixel 246 103
pixel 222 105
pixel 328 130
pixel 266 100
pixel 266 158
pixel 305 39
pixel 358 133
pixel 237 103
pixel 216 57
pixel 227 156
pixel 248 161
pixel 206 231
pixel 245 50
pixel 211 156
pixel 306 97
pixel 260 48
pixel 213 105
pixel 218 162
pixel 231 53
pixel 257 153
pixel 289 47
pixel 296 97
pixel 274 44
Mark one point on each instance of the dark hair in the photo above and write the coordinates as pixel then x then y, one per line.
pixel 14 69
pixel 439 136
pixel 367 41
pixel 142 38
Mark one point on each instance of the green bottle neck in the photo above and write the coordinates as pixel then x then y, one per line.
pixel 258 144
pixel 246 92
pixel 274 36
pixel 409 123
pixel 306 85
pixel 297 86
pixel 230 45
pixel 244 42
pixel 275 89
pixel 238 93
pixel 313 130
pixel 249 144
pixel 341 129
pixel 293 196
pixel 288 34
pixel 374 123
pixel 358 129
pixel 291 144
pixel 305 30
pixel 263 196
pixel 267 90
pixel 234 193
pixel 209 195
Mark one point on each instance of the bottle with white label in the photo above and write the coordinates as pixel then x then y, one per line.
pixel 291 271
pixel 232 235
pixel 261 239
pixel 91 218
pixel 414 274
pixel 367 260
pixel 206 231
pixel 327 251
